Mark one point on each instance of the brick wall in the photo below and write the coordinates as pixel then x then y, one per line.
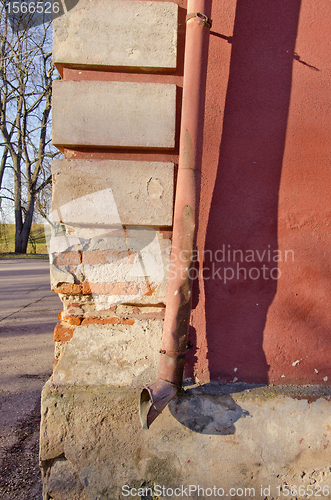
pixel 115 117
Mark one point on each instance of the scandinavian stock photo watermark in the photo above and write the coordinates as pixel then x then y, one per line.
pixel 227 264
pixel 122 263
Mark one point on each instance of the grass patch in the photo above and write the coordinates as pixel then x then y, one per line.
pixel 11 255
pixel 36 246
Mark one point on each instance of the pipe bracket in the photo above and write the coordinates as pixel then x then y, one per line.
pixel 201 18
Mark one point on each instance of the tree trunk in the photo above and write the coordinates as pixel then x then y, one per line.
pixel 22 237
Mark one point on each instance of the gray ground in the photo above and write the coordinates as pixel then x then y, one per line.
pixel 28 314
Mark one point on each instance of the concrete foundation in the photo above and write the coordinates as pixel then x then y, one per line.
pixel 120 354
pixel 229 441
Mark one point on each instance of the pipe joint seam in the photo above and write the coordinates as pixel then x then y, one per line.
pixel 170 383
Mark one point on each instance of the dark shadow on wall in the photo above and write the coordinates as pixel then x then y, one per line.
pixel 240 286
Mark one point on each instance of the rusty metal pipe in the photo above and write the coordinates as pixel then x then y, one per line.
pixel 155 397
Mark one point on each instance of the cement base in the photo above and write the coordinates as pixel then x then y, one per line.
pixel 211 442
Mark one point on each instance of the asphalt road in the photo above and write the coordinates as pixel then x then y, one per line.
pixel 28 314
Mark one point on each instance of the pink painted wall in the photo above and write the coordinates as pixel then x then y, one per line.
pixel 265 191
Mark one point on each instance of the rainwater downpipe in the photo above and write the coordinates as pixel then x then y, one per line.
pixel 155 397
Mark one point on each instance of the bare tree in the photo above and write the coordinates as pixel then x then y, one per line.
pixel 26 75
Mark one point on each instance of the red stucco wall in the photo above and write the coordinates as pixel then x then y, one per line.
pixel 265 191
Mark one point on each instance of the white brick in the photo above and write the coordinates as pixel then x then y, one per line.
pixel 117 33
pixel 115 114
pixel 120 192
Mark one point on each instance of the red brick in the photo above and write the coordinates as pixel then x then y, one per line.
pixel 128 288
pixel 107 256
pixel 69 288
pixel 86 290
pixel 107 321
pixel 152 315
pixel 67 258
pixel 62 333
pixel 72 320
pixel 113 288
